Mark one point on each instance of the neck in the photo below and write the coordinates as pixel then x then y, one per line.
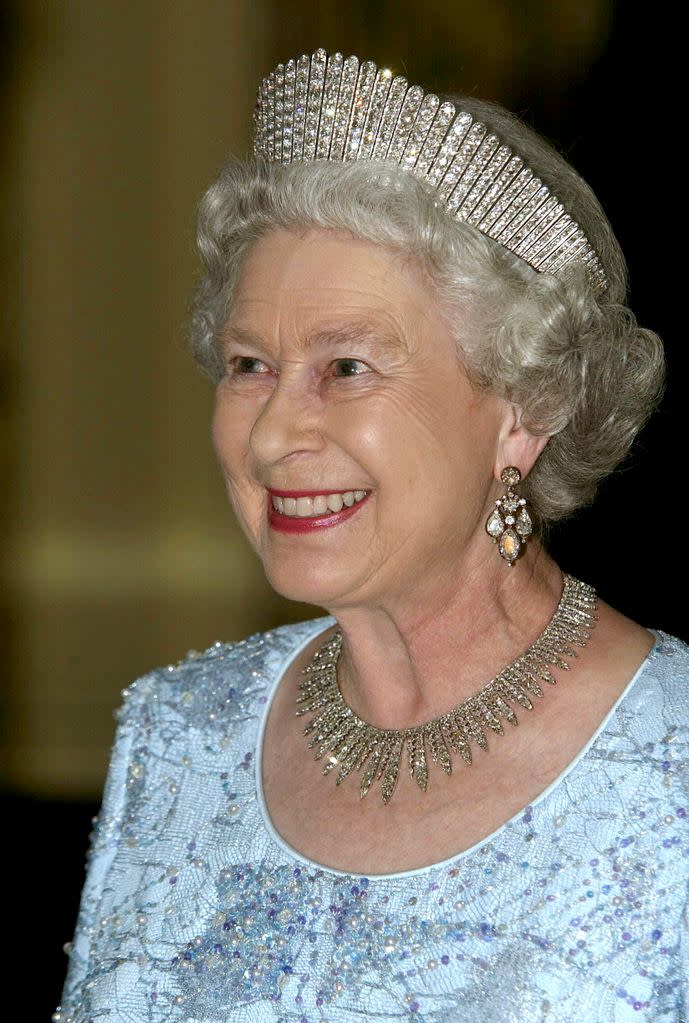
pixel 403 664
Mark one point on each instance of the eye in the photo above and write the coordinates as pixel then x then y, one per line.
pixel 349 367
pixel 244 365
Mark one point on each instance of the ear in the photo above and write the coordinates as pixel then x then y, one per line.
pixel 517 445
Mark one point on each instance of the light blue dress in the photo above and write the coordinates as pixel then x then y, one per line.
pixel 194 910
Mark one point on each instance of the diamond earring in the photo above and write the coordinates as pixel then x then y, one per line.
pixel 509 524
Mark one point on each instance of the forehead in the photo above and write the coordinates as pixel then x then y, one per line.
pixel 321 288
pixel 316 269
pixel 322 252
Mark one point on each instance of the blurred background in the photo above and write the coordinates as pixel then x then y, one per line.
pixel 119 551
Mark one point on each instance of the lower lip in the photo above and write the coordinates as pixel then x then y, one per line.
pixel 293 524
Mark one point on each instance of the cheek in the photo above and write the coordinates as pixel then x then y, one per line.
pixel 437 446
pixel 229 426
pixel 425 432
pixel 228 437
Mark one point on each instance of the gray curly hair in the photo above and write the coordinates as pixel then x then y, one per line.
pixel 577 365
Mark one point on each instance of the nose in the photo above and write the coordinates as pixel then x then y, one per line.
pixel 289 422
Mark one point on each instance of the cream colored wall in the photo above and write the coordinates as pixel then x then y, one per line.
pixel 123 552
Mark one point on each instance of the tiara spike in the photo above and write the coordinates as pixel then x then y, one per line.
pixel 331 90
pixel 266 103
pixel 559 259
pixel 552 246
pixel 559 231
pixel 507 202
pixel 539 220
pixel 435 138
pixel 420 130
pixel 449 148
pixel 481 214
pixel 468 154
pixel 268 117
pixel 301 91
pixel 259 118
pixel 388 121
pixel 405 122
pixel 379 96
pixel 348 79
pixel 314 104
pixel 326 107
pixel 288 110
pixel 525 205
pixel 475 202
pixel 476 175
pixel 274 111
pixel 361 102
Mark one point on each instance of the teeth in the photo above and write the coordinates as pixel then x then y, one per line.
pixel 307 507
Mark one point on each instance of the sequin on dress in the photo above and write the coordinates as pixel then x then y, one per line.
pixel 194 910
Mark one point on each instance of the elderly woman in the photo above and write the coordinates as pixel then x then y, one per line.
pixel 412 313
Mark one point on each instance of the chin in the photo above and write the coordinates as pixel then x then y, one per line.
pixel 306 583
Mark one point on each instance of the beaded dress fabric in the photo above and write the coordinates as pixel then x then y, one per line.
pixel 194 910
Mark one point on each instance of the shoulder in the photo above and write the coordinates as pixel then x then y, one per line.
pixel 646 670
pixel 213 683
pixel 653 713
pixel 190 715
pixel 668 669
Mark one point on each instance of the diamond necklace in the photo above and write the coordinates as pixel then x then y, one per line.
pixel 354 745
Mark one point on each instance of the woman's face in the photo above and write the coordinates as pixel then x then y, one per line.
pixel 341 376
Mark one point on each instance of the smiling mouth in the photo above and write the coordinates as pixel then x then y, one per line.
pixel 311 518
pixel 316 505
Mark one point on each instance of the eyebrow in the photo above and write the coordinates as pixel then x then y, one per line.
pixel 354 332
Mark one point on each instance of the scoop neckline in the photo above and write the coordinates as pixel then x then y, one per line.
pixel 286 663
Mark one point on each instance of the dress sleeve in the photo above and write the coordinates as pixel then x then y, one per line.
pixel 104 841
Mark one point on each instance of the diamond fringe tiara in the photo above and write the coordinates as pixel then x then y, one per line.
pixel 327 107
